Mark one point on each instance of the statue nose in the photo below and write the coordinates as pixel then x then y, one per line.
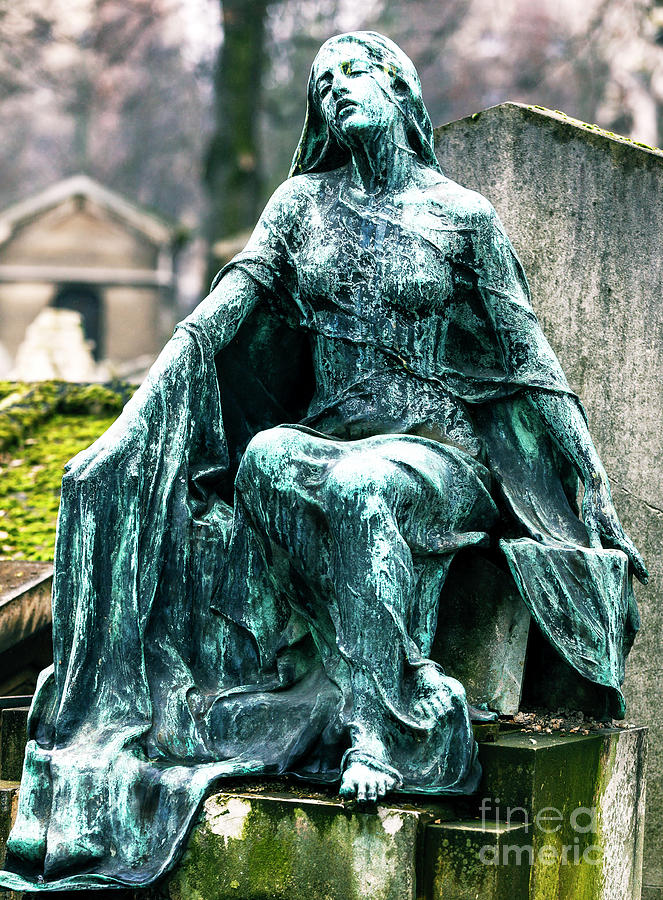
pixel 339 90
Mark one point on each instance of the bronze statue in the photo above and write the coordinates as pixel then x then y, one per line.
pixel 249 562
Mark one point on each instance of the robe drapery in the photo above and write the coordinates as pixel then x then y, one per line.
pixel 142 712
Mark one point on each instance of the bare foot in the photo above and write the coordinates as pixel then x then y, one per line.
pixel 432 697
pixel 364 783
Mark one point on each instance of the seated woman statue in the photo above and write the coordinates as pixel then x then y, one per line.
pixel 249 562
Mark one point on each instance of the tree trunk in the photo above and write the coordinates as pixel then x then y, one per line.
pixel 233 172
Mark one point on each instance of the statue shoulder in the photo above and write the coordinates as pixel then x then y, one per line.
pixel 464 206
pixel 294 197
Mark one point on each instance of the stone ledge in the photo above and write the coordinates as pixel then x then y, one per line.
pixel 274 845
pixel 25 600
pixel 281 847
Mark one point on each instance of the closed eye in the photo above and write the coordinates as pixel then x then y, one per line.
pixel 351 69
pixel 323 85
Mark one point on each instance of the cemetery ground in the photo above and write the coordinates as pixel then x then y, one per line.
pixel 42 426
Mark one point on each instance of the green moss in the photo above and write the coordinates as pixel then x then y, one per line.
pixel 290 852
pixel 41 427
pixel 596 129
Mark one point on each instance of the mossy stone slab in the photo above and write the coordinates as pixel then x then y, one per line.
pixel 460 861
pixel 256 847
pixel 584 210
pixel 582 798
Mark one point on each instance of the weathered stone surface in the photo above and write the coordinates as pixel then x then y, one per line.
pixel 25 600
pixel 253 846
pixel 651 892
pixel 562 818
pixel 459 861
pixel 8 807
pixel 487 658
pixel 584 211
pixel 13 738
pixel 582 797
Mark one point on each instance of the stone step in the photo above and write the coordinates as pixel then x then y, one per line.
pixel 467 859
pixel 285 847
pixel 8 806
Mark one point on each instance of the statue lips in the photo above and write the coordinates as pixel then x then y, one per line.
pixel 343 105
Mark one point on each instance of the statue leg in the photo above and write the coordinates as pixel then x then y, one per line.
pixel 369 501
pixel 346 514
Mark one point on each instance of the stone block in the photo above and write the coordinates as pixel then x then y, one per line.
pixel 651 892
pixel 486 652
pixel 8 808
pixel 582 799
pixel 282 847
pixel 13 738
pixel 464 860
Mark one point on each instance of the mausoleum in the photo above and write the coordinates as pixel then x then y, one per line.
pixel 80 246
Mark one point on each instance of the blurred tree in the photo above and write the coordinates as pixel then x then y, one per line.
pixel 233 173
pixel 105 87
pixel 138 107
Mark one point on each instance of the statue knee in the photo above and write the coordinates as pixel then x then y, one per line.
pixel 359 481
pixel 266 458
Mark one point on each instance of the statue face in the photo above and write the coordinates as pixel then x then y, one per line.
pixel 353 94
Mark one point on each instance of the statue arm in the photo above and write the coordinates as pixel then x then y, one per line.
pixel 529 358
pixel 567 426
pixel 221 313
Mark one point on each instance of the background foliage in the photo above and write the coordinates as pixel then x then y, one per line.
pixel 193 107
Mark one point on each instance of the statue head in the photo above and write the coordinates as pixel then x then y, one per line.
pixel 394 91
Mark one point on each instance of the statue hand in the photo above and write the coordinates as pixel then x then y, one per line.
pixel 602 523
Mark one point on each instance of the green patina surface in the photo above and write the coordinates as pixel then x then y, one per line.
pixel 41 427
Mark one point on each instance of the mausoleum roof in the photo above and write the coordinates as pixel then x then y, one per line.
pixel 152 226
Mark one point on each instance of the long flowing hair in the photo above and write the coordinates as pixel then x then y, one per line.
pixel 319 151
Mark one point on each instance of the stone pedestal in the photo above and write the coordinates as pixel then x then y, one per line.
pixel 558 816
pixel 582 800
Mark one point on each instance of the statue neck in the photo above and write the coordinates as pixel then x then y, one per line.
pixel 383 162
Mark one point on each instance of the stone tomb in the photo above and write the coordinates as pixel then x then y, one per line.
pixel 584 210
pixel 79 246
